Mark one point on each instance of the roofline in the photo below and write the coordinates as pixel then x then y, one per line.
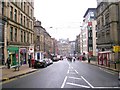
pixel 88 11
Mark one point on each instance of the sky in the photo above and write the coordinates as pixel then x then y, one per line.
pixel 64 16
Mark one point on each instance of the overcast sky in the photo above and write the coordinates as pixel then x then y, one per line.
pixel 64 16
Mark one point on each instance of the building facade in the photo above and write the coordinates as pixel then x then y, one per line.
pixel 64 47
pixel 42 39
pixel 18 30
pixel 108 26
pixel 54 46
pixel 78 45
pixel 72 48
pixel 87 31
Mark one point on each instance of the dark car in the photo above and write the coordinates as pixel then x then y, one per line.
pixel 40 63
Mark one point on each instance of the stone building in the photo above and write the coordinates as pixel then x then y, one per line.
pixel 78 44
pixel 108 26
pixel 38 36
pixel 18 30
pixel 54 47
pixel 64 47
pixel 42 39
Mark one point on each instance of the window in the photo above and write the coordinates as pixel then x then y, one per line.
pixel 24 20
pixel 24 6
pixel 15 34
pixel 21 35
pixel 15 15
pixel 31 37
pixel 11 33
pixel 2 8
pixel 31 12
pixel 11 12
pixel 16 2
pixel 28 9
pixel 24 36
pixel 37 38
pixel 21 18
pixel 27 22
pixel 28 37
pixel 107 18
pixel 31 24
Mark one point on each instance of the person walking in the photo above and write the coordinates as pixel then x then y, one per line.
pixel 8 62
pixel 29 60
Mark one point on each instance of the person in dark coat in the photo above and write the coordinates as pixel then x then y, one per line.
pixel 29 60
pixel 8 62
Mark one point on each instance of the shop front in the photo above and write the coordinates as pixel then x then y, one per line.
pixel 13 53
pixel 23 52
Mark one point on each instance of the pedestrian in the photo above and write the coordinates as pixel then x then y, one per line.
pixel 8 62
pixel 29 60
pixel 33 61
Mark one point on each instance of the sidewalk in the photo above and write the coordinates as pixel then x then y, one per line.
pixel 11 73
pixel 96 63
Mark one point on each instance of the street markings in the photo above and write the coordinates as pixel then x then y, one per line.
pixel 72 71
pixel 107 87
pixel 87 82
pixel 81 81
pixel 68 71
pixel 77 85
pixel 75 78
pixel 64 82
pixel 76 71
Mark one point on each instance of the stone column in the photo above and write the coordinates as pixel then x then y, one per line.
pixel 5 43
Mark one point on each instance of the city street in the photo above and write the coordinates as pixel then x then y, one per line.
pixel 65 74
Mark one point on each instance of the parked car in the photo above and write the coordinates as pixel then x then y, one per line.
pixel 48 61
pixel 55 58
pixel 51 62
pixel 61 57
pixel 40 63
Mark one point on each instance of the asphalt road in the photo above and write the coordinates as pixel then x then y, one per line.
pixel 64 74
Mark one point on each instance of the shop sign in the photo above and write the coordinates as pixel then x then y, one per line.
pixel 31 49
pixel 116 48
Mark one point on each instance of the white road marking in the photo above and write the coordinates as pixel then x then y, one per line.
pixel 75 78
pixel 106 87
pixel 68 64
pixel 63 84
pixel 68 72
pixel 107 71
pixel 87 82
pixel 76 71
pixel 77 85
